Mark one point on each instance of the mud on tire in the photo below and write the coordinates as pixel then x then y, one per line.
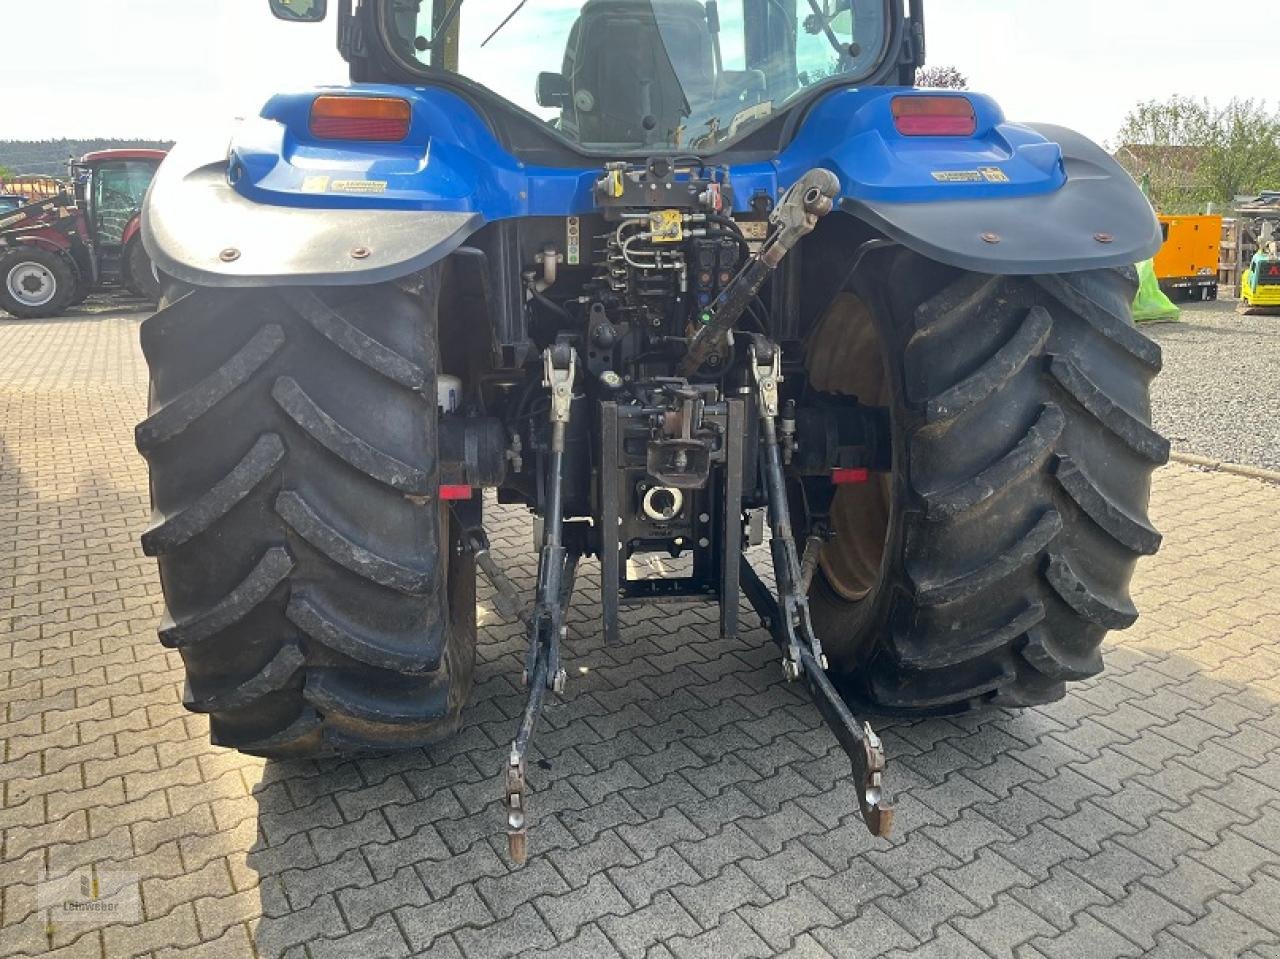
pixel 309 571
pixel 1017 509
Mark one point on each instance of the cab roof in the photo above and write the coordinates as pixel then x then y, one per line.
pixel 103 156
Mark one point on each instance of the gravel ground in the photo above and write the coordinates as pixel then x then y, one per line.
pixel 1219 393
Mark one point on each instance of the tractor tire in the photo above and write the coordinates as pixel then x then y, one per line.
pixel 139 276
pixel 35 283
pixel 314 583
pixel 989 565
pixel 82 292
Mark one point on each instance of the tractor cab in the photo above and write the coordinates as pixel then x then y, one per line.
pixel 619 76
pixel 110 186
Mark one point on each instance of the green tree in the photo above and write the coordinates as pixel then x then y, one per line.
pixel 1191 152
pixel 6 173
pixel 941 78
pixel 1243 155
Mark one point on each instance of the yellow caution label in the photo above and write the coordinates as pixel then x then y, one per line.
pixel 666 226
pixel 993 174
pixel 315 184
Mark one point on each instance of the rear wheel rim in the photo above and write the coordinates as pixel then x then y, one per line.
pixel 31 284
pixel 854 363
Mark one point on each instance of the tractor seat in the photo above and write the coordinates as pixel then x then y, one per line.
pixel 629 79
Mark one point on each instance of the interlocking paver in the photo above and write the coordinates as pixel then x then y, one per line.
pixel 635 931
pixel 1088 937
pixel 1223 931
pixel 732 939
pixel 926 907
pixel 688 802
pixel 872 933
pixel 590 943
pixel 423 925
pixel 382 938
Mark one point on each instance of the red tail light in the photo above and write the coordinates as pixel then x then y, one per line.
pixel 923 116
pixel 384 119
pixel 845 476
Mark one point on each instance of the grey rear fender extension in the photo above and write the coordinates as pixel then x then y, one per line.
pixel 1099 219
pixel 199 230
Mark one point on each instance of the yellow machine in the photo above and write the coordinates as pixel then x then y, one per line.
pixel 1260 285
pixel 1187 264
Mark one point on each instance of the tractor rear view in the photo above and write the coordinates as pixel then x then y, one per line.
pixel 56 250
pixel 667 274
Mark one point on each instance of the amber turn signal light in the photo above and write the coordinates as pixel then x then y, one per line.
pixel 384 119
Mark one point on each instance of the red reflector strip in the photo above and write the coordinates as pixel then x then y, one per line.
pixel 918 116
pixel 841 477
pixel 359 128
pixel 935 126
pixel 360 118
pixel 455 492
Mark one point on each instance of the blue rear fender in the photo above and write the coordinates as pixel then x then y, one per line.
pixel 269 203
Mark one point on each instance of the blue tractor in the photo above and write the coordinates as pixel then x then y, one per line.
pixel 666 272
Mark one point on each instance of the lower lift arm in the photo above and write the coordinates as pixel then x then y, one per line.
pixel 787 616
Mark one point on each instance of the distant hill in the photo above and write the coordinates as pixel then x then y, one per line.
pixel 49 157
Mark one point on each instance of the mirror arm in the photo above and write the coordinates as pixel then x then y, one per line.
pixel 350 40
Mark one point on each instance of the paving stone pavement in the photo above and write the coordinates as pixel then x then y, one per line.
pixel 687 802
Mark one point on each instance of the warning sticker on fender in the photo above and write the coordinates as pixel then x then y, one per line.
pixel 358 186
pixel 986 174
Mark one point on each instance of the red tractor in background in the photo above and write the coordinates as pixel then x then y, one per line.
pixel 55 252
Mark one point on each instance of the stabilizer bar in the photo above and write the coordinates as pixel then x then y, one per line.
pixel 557 568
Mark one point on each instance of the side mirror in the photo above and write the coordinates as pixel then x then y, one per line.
pixel 300 11
pixel 552 90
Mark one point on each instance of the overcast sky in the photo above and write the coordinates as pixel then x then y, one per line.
pixel 162 68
